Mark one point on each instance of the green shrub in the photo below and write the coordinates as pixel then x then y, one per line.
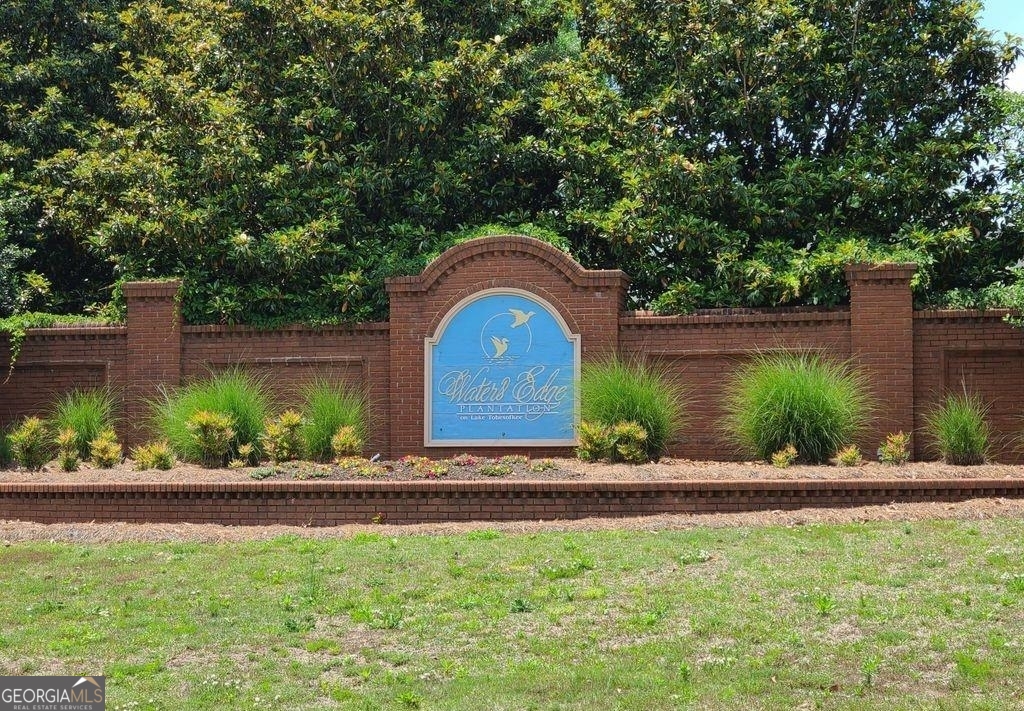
pixel 67 449
pixel 495 469
pixel 804 400
pixel 785 457
pixel 595 441
pixel 104 450
pixel 242 397
pixel 895 450
pixel 30 444
pixel 246 457
pixel 87 413
pixel 960 429
pixel 622 442
pixel 326 409
pixel 282 440
pixel 211 435
pixel 630 442
pixel 849 456
pixel 155 455
pixel 613 391
pixel 346 442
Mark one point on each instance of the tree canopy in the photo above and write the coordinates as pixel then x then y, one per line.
pixel 285 156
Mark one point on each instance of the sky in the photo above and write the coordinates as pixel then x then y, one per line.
pixel 1006 16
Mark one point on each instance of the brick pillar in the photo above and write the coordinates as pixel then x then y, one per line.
pixel 154 349
pixel 882 343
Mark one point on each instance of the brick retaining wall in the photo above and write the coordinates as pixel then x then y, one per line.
pixel 333 503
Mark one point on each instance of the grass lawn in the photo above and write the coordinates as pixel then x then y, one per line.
pixel 861 616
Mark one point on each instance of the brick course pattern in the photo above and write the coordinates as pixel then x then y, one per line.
pixel 335 503
pixel 912 358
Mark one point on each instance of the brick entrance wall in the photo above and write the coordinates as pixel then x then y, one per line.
pixel 912 358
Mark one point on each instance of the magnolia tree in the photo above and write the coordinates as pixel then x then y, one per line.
pixel 285 156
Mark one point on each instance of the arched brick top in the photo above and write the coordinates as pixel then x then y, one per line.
pixel 553 300
pixel 506 245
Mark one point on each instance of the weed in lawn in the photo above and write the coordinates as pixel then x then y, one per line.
pixel 692 557
pixel 972 669
pixel 409 700
pixel 869 667
pixel 521 605
pixel 572 569
pixel 484 534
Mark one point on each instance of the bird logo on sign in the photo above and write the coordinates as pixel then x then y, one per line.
pixel 503 341
pixel 500 346
pixel 519 317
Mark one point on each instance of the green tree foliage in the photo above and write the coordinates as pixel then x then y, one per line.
pixel 743 152
pixel 57 65
pixel 285 156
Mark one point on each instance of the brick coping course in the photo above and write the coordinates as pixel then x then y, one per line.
pixel 330 503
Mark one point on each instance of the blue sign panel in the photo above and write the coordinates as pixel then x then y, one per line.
pixel 502 370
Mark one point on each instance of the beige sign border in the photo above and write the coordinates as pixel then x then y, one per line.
pixel 431 342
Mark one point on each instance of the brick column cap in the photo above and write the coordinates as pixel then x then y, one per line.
pixel 165 289
pixel 883 272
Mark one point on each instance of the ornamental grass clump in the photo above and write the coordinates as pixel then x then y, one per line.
pixel 240 396
pixel 327 408
pixel 814 404
pixel 85 412
pixel 613 392
pixel 31 444
pixel 960 429
pixel 6 457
